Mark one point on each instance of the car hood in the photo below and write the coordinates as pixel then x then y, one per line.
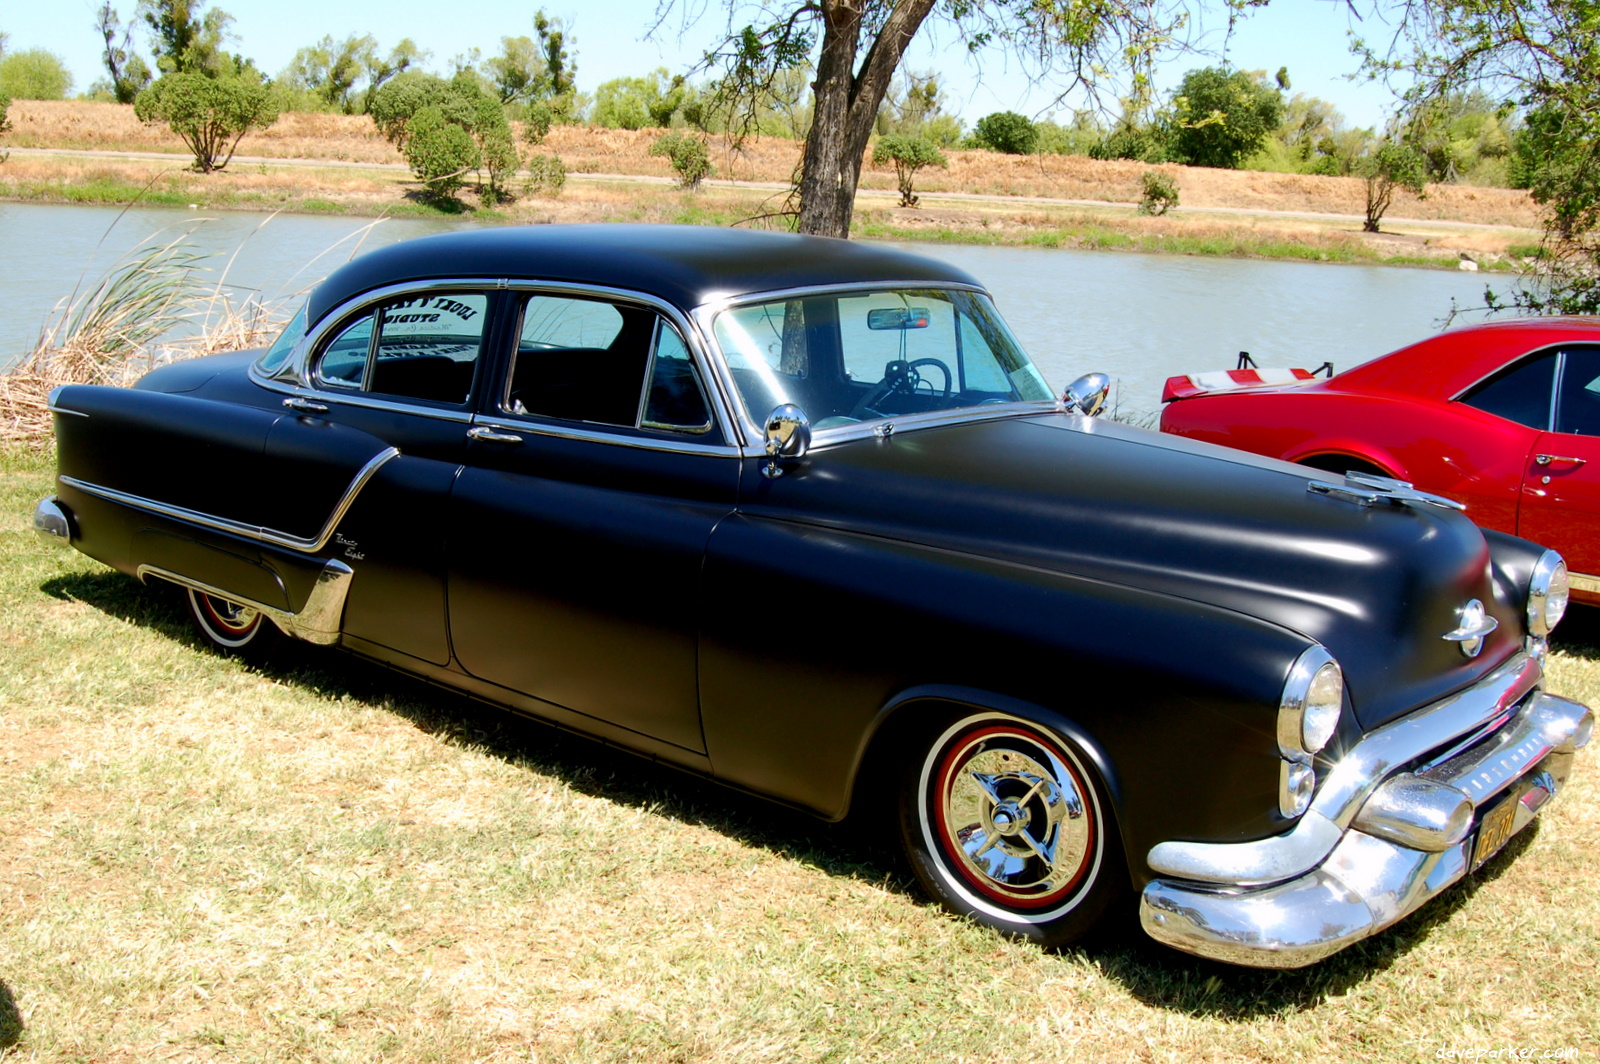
pixel 1378 585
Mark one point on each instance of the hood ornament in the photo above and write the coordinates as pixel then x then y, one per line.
pixel 1368 489
pixel 1475 624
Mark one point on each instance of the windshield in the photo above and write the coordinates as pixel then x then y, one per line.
pixel 850 357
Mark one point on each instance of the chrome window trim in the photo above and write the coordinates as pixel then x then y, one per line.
pixel 581 430
pixel 301 544
pixel 1560 349
pixel 295 379
pixel 751 430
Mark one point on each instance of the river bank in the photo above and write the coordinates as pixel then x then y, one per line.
pixel 79 152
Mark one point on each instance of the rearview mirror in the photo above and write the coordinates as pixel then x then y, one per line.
pixel 788 435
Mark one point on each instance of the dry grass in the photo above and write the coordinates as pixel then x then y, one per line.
pixel 318 860
pixel 352 138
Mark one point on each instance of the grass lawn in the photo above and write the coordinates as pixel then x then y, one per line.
pixel 323 860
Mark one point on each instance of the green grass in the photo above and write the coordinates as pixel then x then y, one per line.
pixel 319 860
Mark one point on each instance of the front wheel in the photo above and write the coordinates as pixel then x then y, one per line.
pixel 228 627
pixel 1004 823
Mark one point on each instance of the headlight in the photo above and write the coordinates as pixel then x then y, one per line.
pixel 1313 695
pixel 1308 715
pixel 1547 593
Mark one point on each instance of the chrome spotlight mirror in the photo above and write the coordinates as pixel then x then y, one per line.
pixel 788 435
pixel 1087 394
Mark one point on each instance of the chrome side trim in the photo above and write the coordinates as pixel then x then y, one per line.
pixel 54 409
pixel 577 431
pixel 1584 582
pixel 1352 779
pixel 300 544
pixel 50 521
pixel 317 622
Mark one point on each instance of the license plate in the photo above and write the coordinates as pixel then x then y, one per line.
pixel 1495 830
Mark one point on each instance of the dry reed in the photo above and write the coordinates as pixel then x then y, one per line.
pixel 147 309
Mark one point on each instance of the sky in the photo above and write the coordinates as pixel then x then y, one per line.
pixel 1310 37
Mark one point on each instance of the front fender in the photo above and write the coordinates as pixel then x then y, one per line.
pixel 814 637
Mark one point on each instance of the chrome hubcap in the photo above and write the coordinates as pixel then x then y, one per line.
pixel 1015 815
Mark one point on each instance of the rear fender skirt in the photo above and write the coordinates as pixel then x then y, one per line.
pixel 317 622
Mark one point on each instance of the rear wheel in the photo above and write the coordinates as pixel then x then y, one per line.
pixel 1003 822
pixel 228 627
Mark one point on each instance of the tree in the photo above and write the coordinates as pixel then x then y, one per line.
pixel 1391 167
pixel 380 68
pixel 1222 116
pixel 189 41
pixel 128 71
pixel 1542 56
pixel 210 114
pixel 329 70
pixel 394 105
pixel 858 47
pixel 1006 131
pixel 915 106
pixel 908 154
pixel 34 74
pixel 640 103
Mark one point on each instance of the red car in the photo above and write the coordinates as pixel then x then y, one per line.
pixel 1504 417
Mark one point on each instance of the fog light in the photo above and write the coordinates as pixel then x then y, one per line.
pixel 1297 781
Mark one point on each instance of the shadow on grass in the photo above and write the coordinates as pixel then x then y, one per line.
pixel 1156 975
pixel 1578 633
pixel 10 1018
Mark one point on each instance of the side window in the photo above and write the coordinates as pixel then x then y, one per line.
pixel 1578 406
pixel 1520 394
pixel 676 400
pixel 588 360
pixel 344 361
pixel 426 347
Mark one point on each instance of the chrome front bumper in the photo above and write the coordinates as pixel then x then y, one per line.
pixel 1396 821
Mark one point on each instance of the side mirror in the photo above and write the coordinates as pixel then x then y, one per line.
pixel 1086 395
pixel 788 435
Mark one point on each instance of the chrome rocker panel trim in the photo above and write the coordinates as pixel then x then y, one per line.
pixel 317 622
pixel 1366 882
pixel 301 544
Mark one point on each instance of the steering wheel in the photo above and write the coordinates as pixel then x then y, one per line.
pixel 902 378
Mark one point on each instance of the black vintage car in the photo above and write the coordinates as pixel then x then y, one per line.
pixel 801 516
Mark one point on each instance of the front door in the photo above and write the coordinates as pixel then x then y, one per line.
pixel 593 478
pixel 1560 505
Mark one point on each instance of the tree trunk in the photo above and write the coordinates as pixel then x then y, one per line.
pixel 846 105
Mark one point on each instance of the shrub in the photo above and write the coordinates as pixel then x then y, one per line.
pixel 688 155
pixel 1393 166
pixel 496 148
pixel 1145 144
pixel 5 123
pixel 440 152
pixel 547 175
pixel 1160 193
pixel 399 99
pixel 1008 132
pixel 209 114
pixel 909 154
pixel 538 120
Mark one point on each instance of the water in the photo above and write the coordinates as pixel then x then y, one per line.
pixel 1140 318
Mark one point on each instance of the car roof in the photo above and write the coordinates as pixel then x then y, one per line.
pixel 686 265
pixel 1443 366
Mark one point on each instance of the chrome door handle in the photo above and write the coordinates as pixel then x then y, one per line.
pixel 305 406
pixel 1546 459
pixel 479 432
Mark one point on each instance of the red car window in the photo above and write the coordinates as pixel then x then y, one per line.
pixel 1520 393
